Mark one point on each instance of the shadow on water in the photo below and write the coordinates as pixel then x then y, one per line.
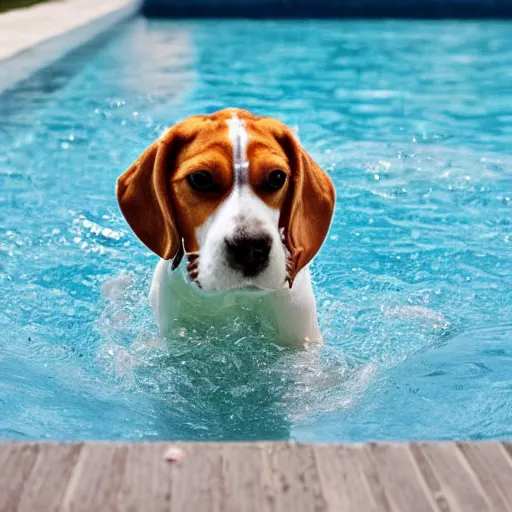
pixel 224 382
pixel 208 391
pixel 40 87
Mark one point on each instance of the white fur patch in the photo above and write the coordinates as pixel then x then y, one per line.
pixel 239 140
pixel 242 210
pixel 165 131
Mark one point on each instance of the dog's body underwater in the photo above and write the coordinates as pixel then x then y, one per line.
pixel 236 209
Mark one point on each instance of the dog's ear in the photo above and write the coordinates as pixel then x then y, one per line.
pixel 309 206
pixel 143 195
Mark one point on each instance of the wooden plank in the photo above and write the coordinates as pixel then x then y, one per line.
pixel 197 479
pixel 403 482
pixel 343 479
pixel 293 479
pixel 508 448
pixel 243 484
pixel 49 477
pixel 288 477
pixel 371 474
pixel 16 463
pixel 146 483
pixel 430 478
pixel 494 471
pixel 458 483
pixel 96 480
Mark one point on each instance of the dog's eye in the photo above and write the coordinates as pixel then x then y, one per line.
pixel 202 181
pixel 276 179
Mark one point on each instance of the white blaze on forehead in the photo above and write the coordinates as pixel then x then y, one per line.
pixel 239 139
pixel 242 211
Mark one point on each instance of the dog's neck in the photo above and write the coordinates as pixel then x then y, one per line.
pixel 290 313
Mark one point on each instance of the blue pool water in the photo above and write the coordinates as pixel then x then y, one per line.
pixel 412 120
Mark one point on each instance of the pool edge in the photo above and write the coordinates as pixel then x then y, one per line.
pixel 32 58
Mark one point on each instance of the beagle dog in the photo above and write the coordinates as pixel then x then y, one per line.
pixel 238 198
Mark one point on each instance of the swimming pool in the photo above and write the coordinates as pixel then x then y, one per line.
pixel 412 120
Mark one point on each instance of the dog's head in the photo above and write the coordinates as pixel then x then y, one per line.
pixel 236 193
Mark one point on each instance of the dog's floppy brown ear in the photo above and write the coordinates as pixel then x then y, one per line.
pixel 309 207
pixel 143 195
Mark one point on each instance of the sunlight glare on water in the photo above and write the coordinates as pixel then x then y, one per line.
pixel 414 283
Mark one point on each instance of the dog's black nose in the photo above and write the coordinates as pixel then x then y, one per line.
pixel 249 254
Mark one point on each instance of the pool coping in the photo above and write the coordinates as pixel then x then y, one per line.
pixel 256 477
pixel 22 56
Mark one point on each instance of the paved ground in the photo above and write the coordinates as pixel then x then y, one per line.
pixel 256 477
pixel 23 28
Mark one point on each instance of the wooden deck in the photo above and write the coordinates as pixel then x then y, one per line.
pixel 256 477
